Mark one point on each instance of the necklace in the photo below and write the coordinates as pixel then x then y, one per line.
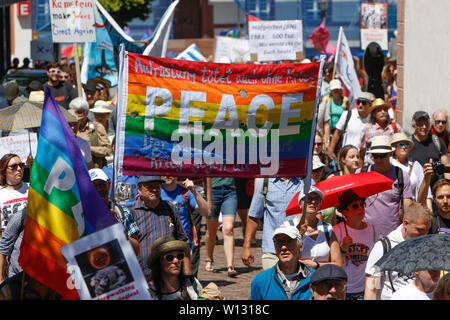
pixel 13 185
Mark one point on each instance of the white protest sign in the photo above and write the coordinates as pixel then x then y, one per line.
pixel 276 40
pixel 72 20
pixel 374 22
pixel 233 48
pixel 19 145
pixel 103 266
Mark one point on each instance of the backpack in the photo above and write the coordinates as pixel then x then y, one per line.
pixel 185 194
pixel 386 247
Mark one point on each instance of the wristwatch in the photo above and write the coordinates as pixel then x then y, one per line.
pixel 317 265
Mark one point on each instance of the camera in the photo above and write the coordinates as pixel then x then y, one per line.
pixel 439 168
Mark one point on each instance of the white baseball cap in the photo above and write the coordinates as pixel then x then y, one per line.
pixel 289 230
pixel 312 189
pixel 98 174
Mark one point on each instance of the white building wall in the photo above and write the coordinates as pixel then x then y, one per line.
pixel 22 35
pixel 426 57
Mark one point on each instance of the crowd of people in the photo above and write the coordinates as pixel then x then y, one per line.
pixel 322 254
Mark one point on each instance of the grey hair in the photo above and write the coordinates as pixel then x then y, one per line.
pixel 79 103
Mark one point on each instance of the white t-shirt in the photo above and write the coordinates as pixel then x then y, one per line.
pixel 317 250
pixel 398 280
pixel 410 292
pixel 355 258
pixel 416 176
pixel 322 115
pixel 355 126
pixel 85 148
pixel 12 202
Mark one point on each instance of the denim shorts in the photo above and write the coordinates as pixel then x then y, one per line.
pixel 224 200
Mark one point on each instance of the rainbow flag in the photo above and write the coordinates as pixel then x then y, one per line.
pixel 188 118
pixel 63 204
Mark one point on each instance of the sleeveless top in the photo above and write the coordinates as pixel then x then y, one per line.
pixel 336 111
pixel 317 250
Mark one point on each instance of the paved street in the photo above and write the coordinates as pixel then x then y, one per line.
pixel 232 288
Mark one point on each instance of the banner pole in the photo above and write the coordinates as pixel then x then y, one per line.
pixel 77 69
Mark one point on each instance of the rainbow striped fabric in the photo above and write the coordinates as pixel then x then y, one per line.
pixel 63 204
pixel 187 118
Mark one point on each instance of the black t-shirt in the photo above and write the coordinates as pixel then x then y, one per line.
pixel 424 150
pixel 439 224
pixel 63 93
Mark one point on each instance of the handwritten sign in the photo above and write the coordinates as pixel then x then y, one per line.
pixel 103 266
pixel 374 23
pixel 72 20
pixel 237 50
pixel 19 145
pixel 276 40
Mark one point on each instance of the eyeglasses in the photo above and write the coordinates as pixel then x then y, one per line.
pixel 16 165
pixel 286 242
pixel 55 71
pixel 379 155
pixel 362 102
pixel 170 257
pixel 440 121
pixel 403 145
pixel 326 285
pixel 319 144
pixel 358 205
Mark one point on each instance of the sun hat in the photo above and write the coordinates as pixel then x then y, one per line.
pixel 143 179
pixel 335 84
pixel 401 136
pixel 98 174
pixel 378 102
pixel 316 163
pixel 11 89
pixel 101 106
pixel 79 103
pixel 312 189
pixel 71 116
pixel 346 198
pixel 162 246
pixel 381 144
pixel 289 230
pixel 328 272
pixel 366 96
pixel 37 96
pixel 101 80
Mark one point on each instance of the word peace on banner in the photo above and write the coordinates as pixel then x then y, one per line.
pixel 185 118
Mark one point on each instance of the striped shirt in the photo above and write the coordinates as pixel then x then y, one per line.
pixel 153 224
pixel 372 130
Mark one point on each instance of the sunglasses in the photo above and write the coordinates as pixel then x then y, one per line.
pixel 314 199
pixel 16 165
pixel 170 257
pixel 64 77
pixel 362 101
pixel 403 145
pixel 379 155
pixel 55 71
pixel 358 205
pixel 286 242
pixel 440 121
pixel 319 144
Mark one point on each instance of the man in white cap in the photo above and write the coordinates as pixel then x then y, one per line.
pixel 351 124
pixel 289 279
pixel 385 210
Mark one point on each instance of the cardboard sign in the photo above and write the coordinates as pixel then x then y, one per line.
pixel 237 50
pixel 276 40
pixel 72 20
pixel 103 266
pixel 19 145
pixel 374 21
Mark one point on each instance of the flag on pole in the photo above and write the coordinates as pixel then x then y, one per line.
pixel 346 68
pixel 160 37
pixel 101 58
pixel 191 53
pixel 252 18
pixel 63 204
pixel 319 39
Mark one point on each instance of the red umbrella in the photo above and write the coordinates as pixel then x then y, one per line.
pixel 364 184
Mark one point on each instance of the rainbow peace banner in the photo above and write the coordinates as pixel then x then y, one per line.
pixel 63 204
pixel 186 118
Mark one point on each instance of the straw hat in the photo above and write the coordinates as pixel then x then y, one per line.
pixel 381 144
pixel 400 136
pixel 101 106
pixel 378 102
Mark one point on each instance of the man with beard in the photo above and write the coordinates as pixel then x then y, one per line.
pixel 63 92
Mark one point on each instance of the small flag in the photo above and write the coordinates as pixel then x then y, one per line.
pixel 192 53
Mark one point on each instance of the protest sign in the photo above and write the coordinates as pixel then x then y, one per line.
pixel 374 24
pixel 19 145
pixel 103 266
pixel 184 118
pixel 275 40
pixel 237 50
pixel 72 20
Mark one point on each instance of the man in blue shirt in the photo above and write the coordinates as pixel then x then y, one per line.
pixel 288 279
pixel 187 199
pixel 268 203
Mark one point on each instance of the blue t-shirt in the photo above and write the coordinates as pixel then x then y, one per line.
pixel 176 198
pixel 126 188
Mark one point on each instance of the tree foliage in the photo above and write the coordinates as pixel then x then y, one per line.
pixel 123 11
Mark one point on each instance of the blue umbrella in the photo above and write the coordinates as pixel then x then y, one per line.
pixel 429 252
